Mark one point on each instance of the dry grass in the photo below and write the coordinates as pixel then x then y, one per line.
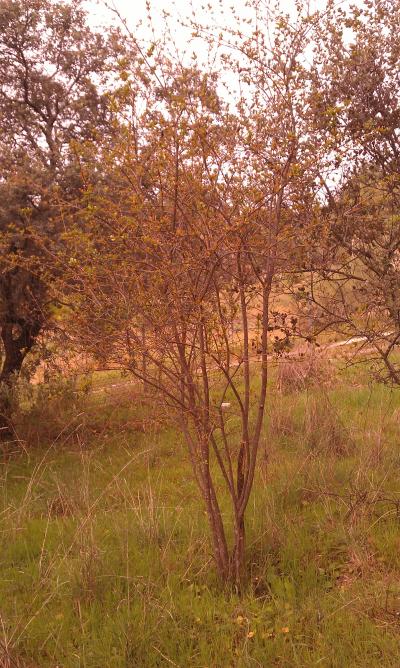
pixel 323 429
pixel 307 368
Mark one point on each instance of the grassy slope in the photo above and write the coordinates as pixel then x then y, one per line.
pixel 105 562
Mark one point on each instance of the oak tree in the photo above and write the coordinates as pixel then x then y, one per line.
pixel 53 74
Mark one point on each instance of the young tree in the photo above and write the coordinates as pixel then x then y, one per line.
pixel 53 70
pixel 187 240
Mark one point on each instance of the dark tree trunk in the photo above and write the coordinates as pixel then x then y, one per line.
pixel 6 430
pixel 18 339
pixel 238 554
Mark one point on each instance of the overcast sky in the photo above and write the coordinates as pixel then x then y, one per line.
pixel 135 11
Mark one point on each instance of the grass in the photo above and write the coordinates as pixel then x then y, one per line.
pixel 105 561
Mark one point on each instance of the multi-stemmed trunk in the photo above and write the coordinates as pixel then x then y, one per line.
pixel 237 471
pixel 230 561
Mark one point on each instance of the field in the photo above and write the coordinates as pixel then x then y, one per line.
pixel 105 561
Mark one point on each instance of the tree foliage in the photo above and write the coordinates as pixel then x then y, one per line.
pixel 356 279
pixel 53 74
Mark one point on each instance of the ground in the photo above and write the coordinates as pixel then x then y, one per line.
pixel 105 560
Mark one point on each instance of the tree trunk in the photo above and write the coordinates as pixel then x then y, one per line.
pixel 238 553
pixel 6 430
pixel 18 339
pixel 220 548
pixel 146 386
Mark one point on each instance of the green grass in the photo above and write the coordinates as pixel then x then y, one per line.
pixel 105 560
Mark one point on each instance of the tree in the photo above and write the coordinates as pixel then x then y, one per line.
pixel 356 277
pixel 53 71
pixel 188 240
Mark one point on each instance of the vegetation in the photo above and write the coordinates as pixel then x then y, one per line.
pixel 184 239
pixel 53 73
pixel 105 558
pixel 356 274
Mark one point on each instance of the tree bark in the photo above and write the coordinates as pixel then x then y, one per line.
pixel 238 553
pixel 18 339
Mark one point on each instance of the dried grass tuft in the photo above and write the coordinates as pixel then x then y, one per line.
pixel 307 368
pixel 323 428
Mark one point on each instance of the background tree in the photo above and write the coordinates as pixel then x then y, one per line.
pixel 53 74
pixel 356 279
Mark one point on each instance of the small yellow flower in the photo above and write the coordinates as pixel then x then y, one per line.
pixel 251 634
pixel 285 629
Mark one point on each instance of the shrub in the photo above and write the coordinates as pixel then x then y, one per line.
pixel 48 411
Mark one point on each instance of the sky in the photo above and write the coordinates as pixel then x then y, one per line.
pixel 135 11
pixel 182 43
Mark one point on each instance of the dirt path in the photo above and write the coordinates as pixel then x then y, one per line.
pixel 254 358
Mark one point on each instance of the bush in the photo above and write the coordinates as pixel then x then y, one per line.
pixel 48 411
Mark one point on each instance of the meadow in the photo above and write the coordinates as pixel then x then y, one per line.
pixel 105 559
